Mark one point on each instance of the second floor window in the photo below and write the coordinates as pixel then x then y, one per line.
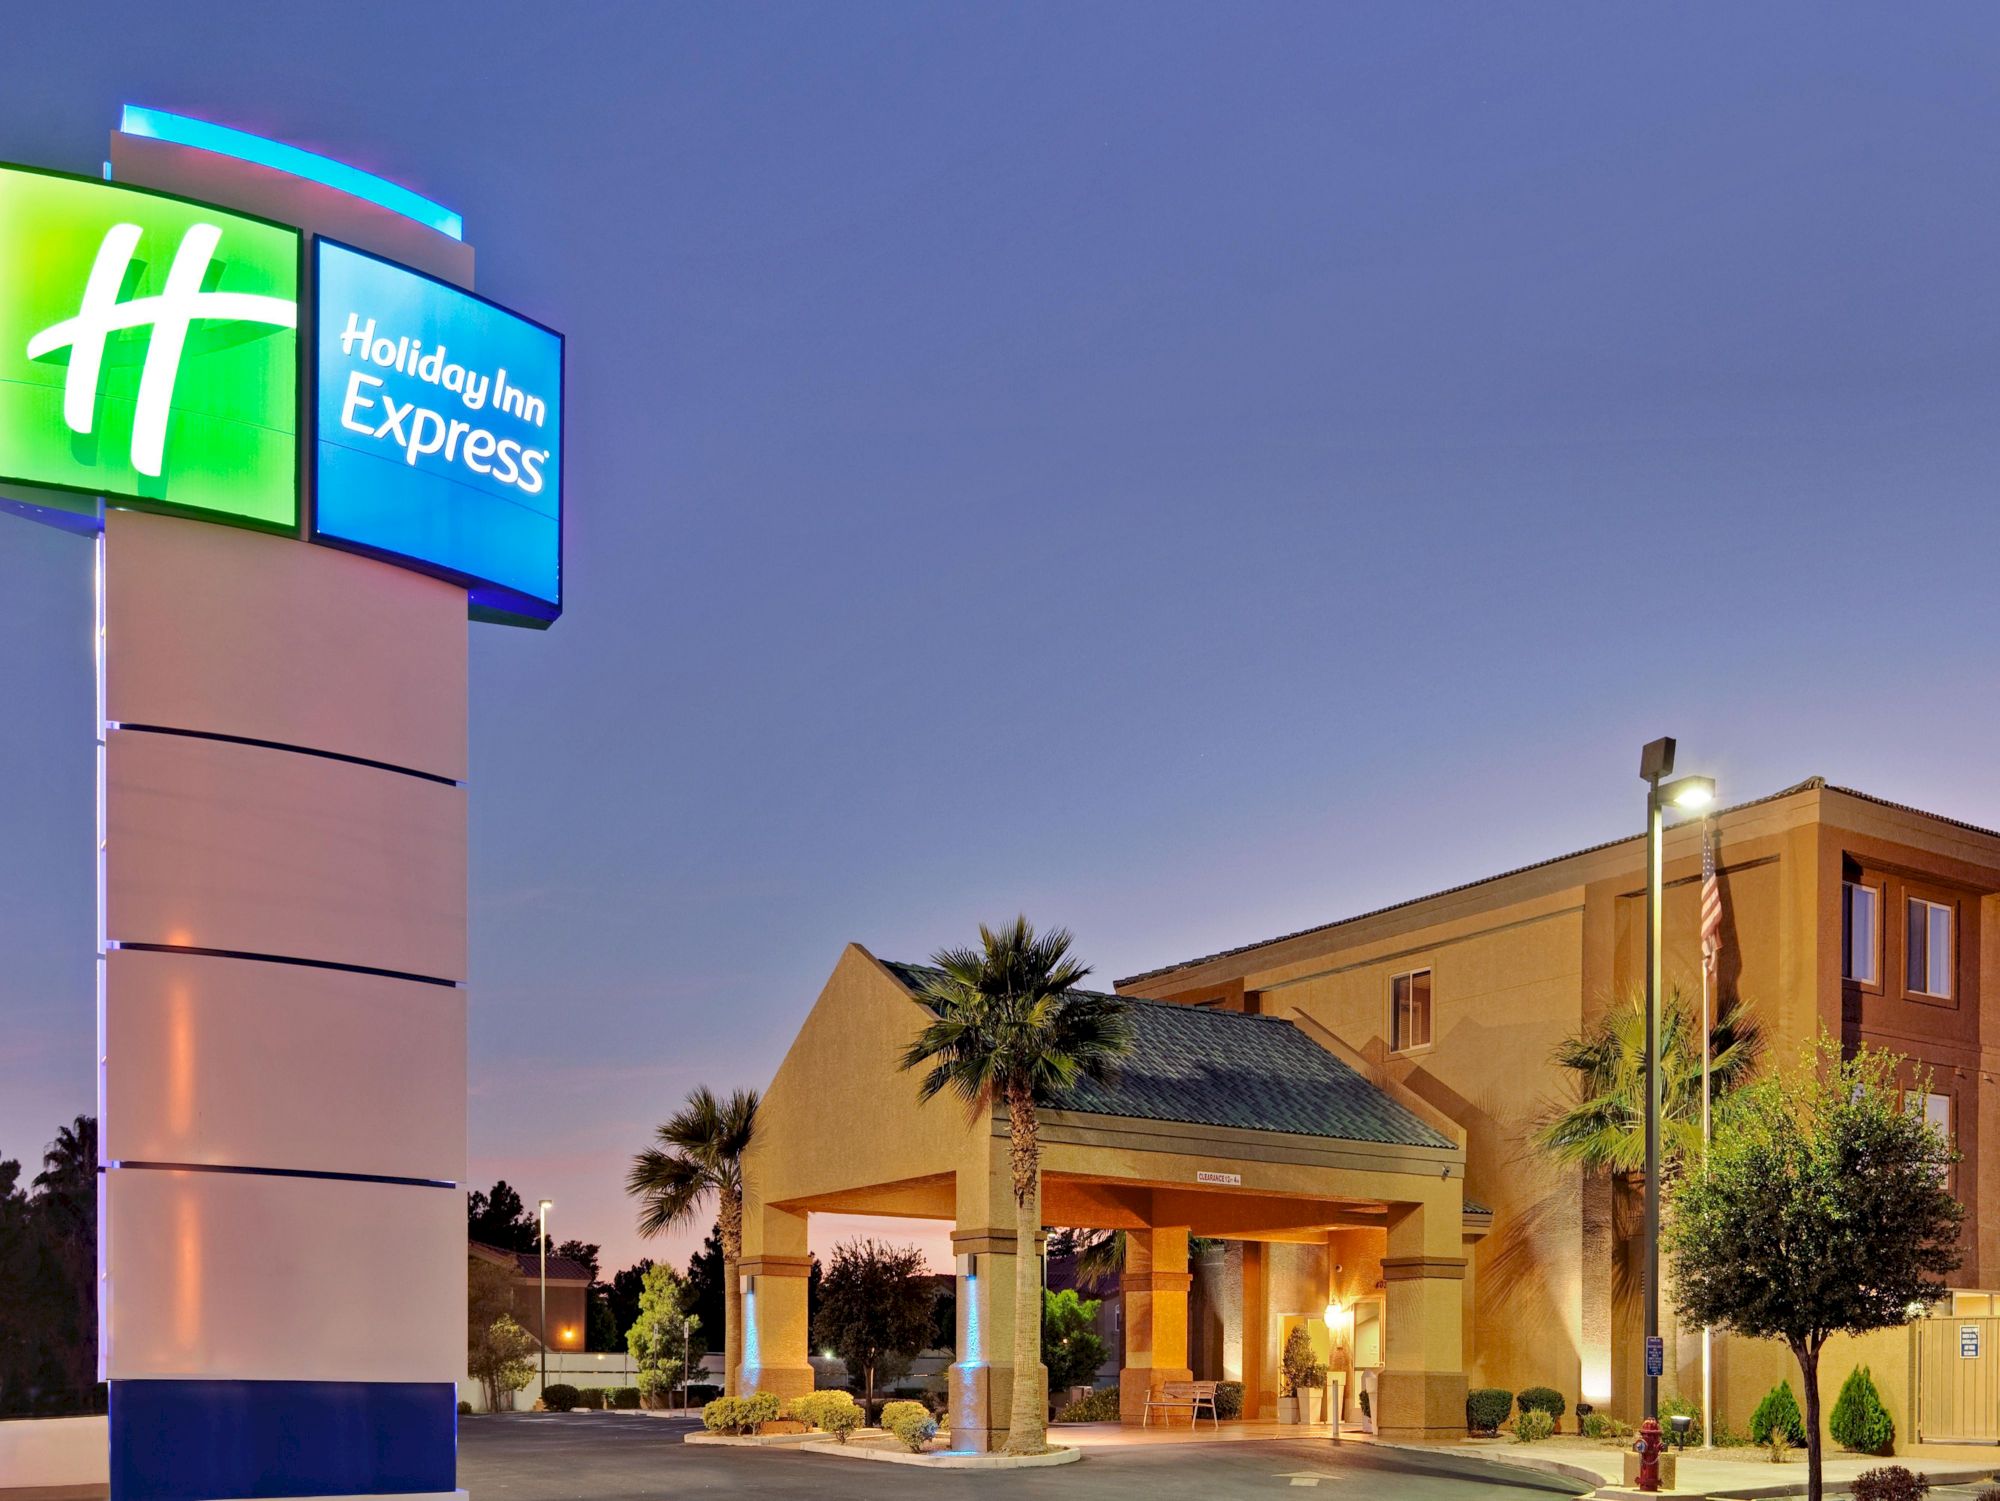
pixel 1928 956
pixel 1411 1011
pixel 1861 933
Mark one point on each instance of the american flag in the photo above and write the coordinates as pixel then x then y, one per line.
pixel 1711 903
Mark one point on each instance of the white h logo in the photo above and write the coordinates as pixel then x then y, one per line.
pixel 169 312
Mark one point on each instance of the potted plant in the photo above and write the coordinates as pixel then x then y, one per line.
pixel 1303 1373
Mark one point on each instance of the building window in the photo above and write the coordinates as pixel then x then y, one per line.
pixel 1934 1108
pixel 1861 933
pixel 1928 958
pixel 1411 1010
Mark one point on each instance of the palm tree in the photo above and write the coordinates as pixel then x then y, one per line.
pixel 1011 1029
pixel 1100 1254
pixel 1603 1128
pixel 699 1155
pixel 67 1199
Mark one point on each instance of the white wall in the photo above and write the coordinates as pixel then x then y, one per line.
pixel 37 1452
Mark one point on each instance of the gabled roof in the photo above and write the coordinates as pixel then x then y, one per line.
pixel 528 1264
pixel 1207 1067
pixel 1810 784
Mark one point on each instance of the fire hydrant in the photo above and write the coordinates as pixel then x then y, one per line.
pixel 1648 1448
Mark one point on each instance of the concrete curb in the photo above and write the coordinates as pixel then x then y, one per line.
pixel 760 1440
pixel 944 1459
pixel 1842 1487
pixel 1578 1473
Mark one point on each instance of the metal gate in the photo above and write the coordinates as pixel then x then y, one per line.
pixel 1958 1380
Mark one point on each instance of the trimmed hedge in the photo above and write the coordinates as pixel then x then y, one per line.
pixel 591 1398
pixel 1101 1406
pixel 1486 1408
pixel 1542 1399
pixel 739 1414
pixel 560 1396
pixel 625 1398
pixel 1229 1400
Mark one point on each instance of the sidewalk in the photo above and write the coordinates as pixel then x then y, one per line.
pixel 1730 1473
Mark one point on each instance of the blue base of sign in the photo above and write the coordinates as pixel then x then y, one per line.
pixel 221 1440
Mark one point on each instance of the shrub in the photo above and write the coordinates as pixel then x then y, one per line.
pixel 1300 1367
pixel 1542 1399
pixel 911 1422
pixel 624 1398
pixel 1859 1421
pixel 816 1409
pixel 1532 1425
pixel 1486 1408
pixel 1779 1413
pixel 1229 1400
pixel 723 1415
pixel 559 1396
pixel 1364 1403
pixel 1602 1425
pixel 1680 1407
pixel 762 1408
pixel 1101 1406
pixel 465 1409
pixel 1890 1483
pixel 591 1398
pixel 840 1421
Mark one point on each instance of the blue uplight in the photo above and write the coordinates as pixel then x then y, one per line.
pixel 203 135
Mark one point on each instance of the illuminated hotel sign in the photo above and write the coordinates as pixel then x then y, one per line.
pixel 148 349
pixel 438 431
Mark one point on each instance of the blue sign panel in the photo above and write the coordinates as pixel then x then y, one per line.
pixel 439 432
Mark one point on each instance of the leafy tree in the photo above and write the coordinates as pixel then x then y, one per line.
pixel 580 1251
pixel 874 1310
pixel 501 1220
pixel 705 1279
pixel 1071 1347
pixel 65 1203
pixel 661 1334
pixel 699 1157
pixel 500 1358
pixel 1011 1029
pixel 622 1297
pixel 1822 1208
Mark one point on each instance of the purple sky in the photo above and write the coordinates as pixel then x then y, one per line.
pixel 1187 472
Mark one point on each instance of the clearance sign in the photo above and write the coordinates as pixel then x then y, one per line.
pixel 151 352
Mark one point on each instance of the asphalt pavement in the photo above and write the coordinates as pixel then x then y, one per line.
pixel 633 1457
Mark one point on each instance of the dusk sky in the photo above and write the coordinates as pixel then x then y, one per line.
pixel 1186 472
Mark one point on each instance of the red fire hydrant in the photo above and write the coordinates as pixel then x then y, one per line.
pixel 1649 1454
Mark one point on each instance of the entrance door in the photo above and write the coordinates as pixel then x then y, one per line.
pixel 1958 1379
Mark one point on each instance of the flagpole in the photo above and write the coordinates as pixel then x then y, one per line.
pixel 1707 1036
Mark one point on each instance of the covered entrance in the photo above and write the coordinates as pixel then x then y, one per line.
pixel 1332 1196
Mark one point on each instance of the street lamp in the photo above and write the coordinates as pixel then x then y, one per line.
pixel 1686 795
pixel 542 1324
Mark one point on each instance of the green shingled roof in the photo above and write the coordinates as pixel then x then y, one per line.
pixel 1222 1068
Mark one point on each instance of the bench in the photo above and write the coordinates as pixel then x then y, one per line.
pixel 1182 1396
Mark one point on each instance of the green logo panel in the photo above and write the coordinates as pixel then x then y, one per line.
pixel 148 349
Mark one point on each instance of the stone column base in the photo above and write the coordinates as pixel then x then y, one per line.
pixel 1137 1382
pixel 785 1380
pixel 1420 1404
pixel 982 1405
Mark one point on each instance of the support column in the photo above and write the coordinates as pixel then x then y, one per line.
pixel 1422 1388
pixel 1260 1396
pixel 984 1246
pixel 1154 1286
pixel 773 1274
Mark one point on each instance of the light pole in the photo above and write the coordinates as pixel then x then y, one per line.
pixel 542 1324
pixel 1656 764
